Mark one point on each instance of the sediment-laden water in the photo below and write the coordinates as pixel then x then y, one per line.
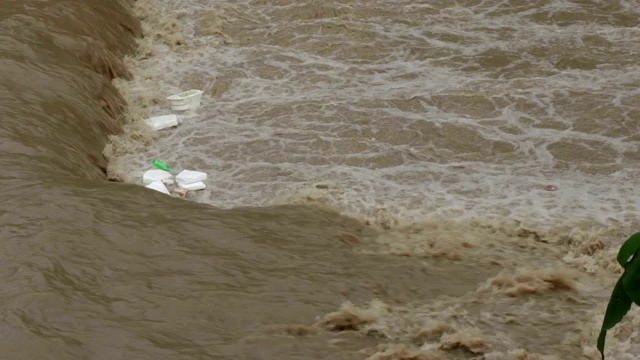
pixel 387 179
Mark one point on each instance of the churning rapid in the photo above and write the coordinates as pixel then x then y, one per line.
pixel 387 179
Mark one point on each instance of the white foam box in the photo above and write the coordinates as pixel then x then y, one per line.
pixel 189 177
pixel 158 186
pixel 193 186
pixel 186 100
pixel 162 122
pixel 150 176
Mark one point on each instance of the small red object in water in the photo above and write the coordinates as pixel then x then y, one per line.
pixel 550 188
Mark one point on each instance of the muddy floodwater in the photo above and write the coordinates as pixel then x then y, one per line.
pixel 387 180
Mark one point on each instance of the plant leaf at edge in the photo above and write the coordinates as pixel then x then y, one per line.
pixel 628 248
pixel 619 305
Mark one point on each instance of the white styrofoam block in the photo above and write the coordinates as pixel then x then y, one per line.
pixel 162 122
pixel 193 186
pixel 189 177
pixel 186 100
pixel 158 186
pixel 150 176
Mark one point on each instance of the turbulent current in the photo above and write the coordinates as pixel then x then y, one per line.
pixel 387 180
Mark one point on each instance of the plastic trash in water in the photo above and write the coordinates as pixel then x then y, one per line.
pixel 162 122
pixel 191 180
pixel 162 166
pixel 186 100
pixel 152 175
pixel 158 186
pixel 187 177
pixel 199 185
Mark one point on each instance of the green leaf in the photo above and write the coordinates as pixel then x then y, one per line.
pixel 630 247
pixel 631 279
pixel 619 305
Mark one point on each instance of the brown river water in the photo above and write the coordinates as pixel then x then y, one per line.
pixel 387 179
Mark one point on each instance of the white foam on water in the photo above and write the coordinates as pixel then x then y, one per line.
pixel 400 112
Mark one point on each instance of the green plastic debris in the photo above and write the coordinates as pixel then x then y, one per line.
pixel 160 165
